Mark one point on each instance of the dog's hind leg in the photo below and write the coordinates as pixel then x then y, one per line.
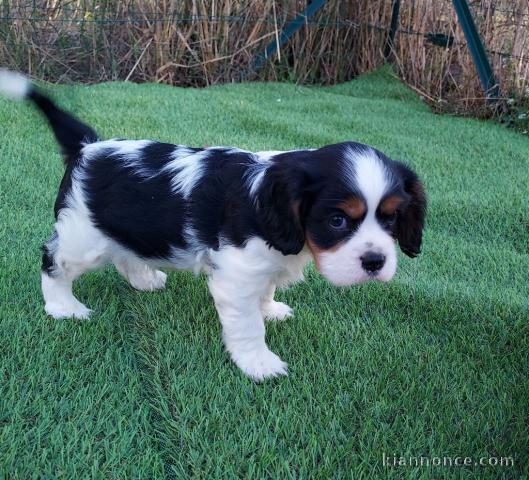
pixel 74 249
pixel 140 275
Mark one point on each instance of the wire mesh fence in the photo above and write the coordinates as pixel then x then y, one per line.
pixel 204 42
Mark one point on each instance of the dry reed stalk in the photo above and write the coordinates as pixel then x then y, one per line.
pixel 203 42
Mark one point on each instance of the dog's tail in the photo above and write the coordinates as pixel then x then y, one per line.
pixel 71 134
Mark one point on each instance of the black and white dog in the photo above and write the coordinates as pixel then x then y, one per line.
pixel 250 221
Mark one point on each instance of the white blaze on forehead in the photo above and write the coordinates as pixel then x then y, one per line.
pixel 367 173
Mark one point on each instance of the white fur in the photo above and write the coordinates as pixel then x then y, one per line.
pixel 370 175
pixel 188 168
pixel 199 263
pixel 193 258
pixel 130 150
pixel 239 281
pixel 265 156
pixel 256 172
pixel 273 310
pixel 77 247
pixel 139 274
pixel 59 299
pixel 13 85
pixel 191 238
pixel 343 266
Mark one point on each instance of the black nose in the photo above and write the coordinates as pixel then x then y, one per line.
pixel 372 262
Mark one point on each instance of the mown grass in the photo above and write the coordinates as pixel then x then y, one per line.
pixel 433 364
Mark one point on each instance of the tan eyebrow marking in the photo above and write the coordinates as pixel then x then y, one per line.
pixel 354 207
pixel 389 205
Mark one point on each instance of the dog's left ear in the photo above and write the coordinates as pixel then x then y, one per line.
pixel 281 202
pixel 410 221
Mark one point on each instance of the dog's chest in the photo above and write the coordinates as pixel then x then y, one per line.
pixel 293 268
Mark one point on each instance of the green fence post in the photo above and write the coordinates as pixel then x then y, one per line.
pixel 290 28
pixel 477 50
pixel 392 30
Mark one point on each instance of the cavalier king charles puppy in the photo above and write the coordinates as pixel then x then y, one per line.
pixel 249 220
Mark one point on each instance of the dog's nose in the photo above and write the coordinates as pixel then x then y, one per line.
pixel 372 262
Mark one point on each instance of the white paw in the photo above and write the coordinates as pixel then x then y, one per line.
pixel 276 310
pixel 68 309
pixel 152 280
pixel 260 364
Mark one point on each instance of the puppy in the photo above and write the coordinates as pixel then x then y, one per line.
pixel 249 221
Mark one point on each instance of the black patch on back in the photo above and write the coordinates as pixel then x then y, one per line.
pixel 220 204
pixel 141 213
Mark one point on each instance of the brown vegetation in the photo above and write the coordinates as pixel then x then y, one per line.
pixel 204 42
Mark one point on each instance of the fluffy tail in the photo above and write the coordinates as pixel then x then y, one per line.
pixel 71 134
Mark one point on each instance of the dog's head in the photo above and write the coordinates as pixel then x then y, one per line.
pixel 349 204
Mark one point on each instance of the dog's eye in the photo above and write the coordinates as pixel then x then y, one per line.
pixel 338 222
pixel 389 220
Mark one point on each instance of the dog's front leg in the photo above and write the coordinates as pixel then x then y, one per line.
pixel 243 329
pixel 273 310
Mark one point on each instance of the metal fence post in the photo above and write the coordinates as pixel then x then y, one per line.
pixel 477 50
pixel 290 28
pixel 392 30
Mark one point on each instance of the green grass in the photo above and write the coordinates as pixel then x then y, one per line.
pixel 434 363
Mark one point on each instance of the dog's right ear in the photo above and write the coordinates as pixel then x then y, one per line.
pixel 280 205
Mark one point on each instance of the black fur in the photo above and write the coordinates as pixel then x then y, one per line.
pixel 139 213
pixel 410 220
pixel 69 131
pixel 283 201
pixel 145 215
pixel 48 262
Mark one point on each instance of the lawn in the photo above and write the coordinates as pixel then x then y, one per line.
pixel 434 363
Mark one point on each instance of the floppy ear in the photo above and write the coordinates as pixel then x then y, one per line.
pixel 410 221
pixel 279 208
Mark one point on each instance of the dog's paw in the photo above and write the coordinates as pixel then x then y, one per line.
pixel 72 309
pixel 261 364
pixel 149 281
pixel 276 311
